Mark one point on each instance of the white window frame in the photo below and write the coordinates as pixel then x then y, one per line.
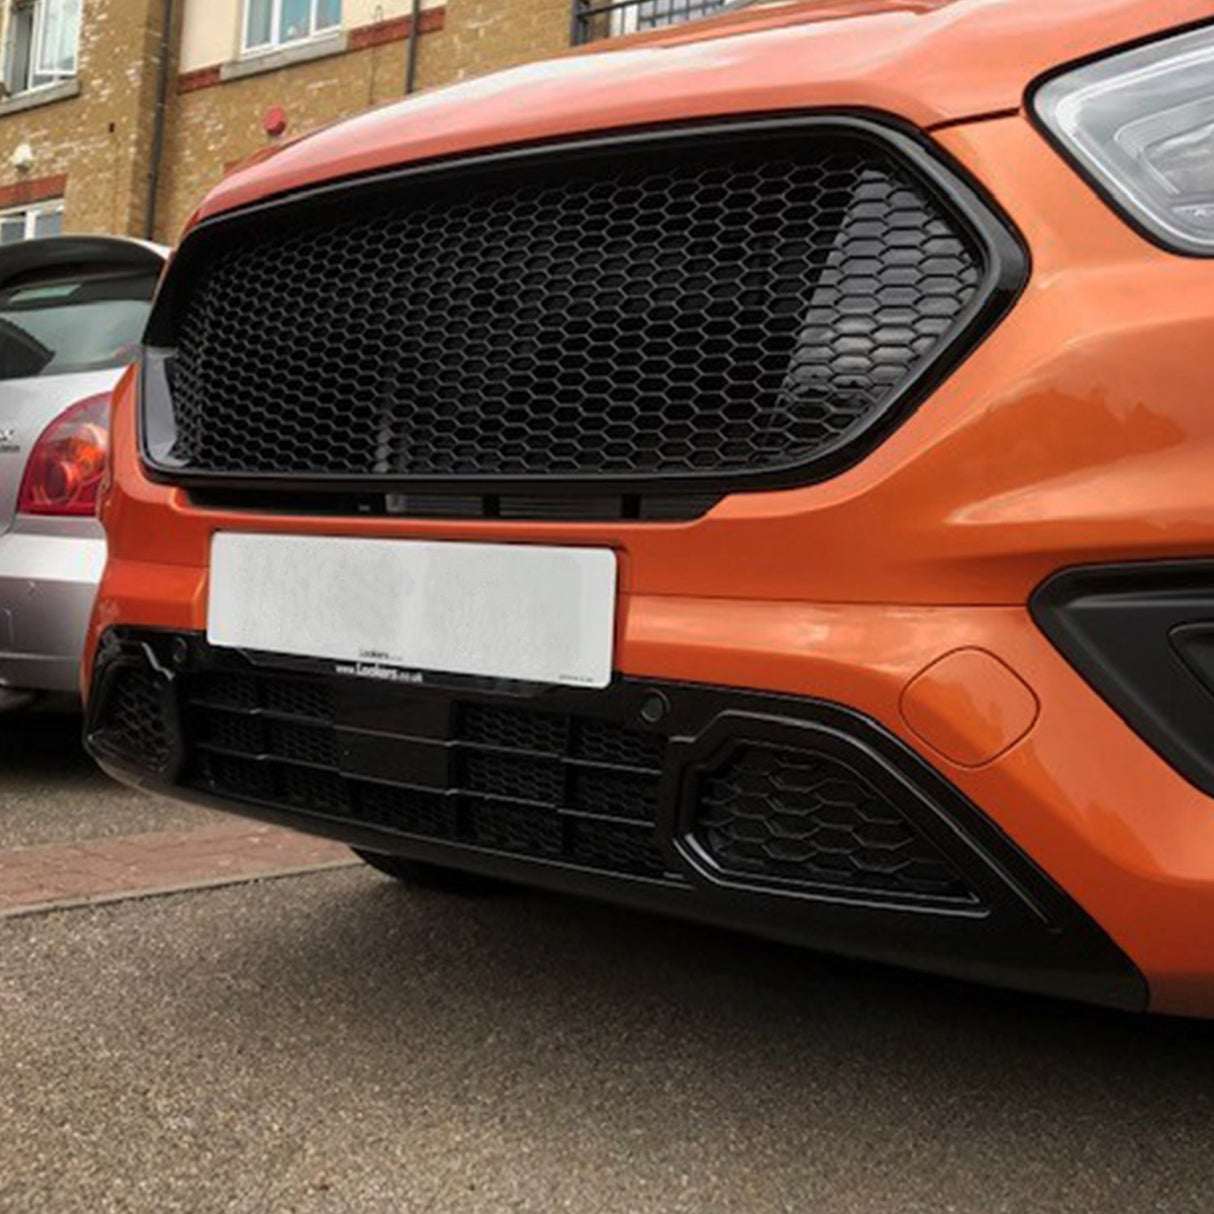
pixel 275 42
pixel 41 10
pixel 32 212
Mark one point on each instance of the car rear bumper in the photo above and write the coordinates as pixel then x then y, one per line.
pixel 48 581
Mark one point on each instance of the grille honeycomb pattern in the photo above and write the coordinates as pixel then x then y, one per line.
pixel 611 847
pixel 244 778
pixel 416 813
pixel 517 778
pixel 511 730
pixel 229 731
pixel 809 818
pixel 303 743
pixel 300 699
pixel 507 776
pixel 136 725
pixel 606 742
pixel 616 794
pixel 731 313
pixel 314 791
pixel 506 828
pixel 230 691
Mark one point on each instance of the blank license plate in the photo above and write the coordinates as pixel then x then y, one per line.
pixel 503 611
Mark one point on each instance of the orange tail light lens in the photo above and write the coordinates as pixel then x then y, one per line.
pixel 68 462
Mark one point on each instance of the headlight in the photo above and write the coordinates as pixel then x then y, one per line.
pixel 1142 124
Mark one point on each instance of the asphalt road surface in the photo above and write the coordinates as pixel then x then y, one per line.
pixel 333 1042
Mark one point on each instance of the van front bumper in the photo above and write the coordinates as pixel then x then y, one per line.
pixel 900 593
pixel 789 816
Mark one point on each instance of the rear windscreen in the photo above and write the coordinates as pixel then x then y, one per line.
pixel 81 322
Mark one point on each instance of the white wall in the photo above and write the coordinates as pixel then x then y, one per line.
pixel 211 28
pixel 365 12
pixel 210 32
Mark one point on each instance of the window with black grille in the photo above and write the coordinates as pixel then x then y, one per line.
pixel 594 19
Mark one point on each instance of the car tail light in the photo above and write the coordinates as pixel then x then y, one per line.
pixel 68 461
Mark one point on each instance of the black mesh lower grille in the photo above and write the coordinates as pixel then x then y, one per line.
pixel 573 777
pixel 135 722
pixel 780 815
pixel 723 308
pixel 813 819
pixel 512 779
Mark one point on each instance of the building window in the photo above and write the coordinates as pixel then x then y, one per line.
pixel 649 14
pixel 593 19
pixel 273 23
pixel 43 37
pixel 30 223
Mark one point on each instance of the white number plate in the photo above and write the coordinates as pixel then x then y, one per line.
pixel 506 611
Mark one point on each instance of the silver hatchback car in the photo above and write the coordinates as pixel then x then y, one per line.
pixel 72 309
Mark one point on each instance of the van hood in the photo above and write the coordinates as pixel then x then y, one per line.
pixel 927 62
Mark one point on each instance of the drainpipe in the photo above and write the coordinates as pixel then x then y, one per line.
pixel 415 32
pixel 162 106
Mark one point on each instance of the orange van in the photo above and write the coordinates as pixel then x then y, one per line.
pixel 760 471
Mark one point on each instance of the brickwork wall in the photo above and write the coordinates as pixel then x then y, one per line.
pixel 101 139
pixel 484 36
pixel 216 123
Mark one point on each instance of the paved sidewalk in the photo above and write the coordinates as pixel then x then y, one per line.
pixel 70 836
pixel 35 879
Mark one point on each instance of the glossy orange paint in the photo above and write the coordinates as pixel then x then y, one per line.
pixel 1081 430
pixel 969 707
pixel 929 63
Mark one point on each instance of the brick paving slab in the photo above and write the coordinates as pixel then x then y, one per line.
pixel 36 879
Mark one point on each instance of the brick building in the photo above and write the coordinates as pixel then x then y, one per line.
pixel 117 115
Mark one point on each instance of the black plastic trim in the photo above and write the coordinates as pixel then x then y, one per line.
pixel 113 659
pixel 1006 260
pixel 1134 632
pixel 533 506
pixel 864 753
pixel 1022 930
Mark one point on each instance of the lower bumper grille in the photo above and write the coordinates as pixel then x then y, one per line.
pixel 787 817
pixel 551 785
pixel 627 781
pixel 137 723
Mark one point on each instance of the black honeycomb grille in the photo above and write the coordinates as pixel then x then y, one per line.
pixel 812 819
pixel 728 313
pixel 714 790
pixel 512 730
pixel 136 721
pixel 504 777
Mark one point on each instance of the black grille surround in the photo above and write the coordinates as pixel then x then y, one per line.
pixel 689 312
pixel 138 722
pixel 790 818
pixel 807 818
